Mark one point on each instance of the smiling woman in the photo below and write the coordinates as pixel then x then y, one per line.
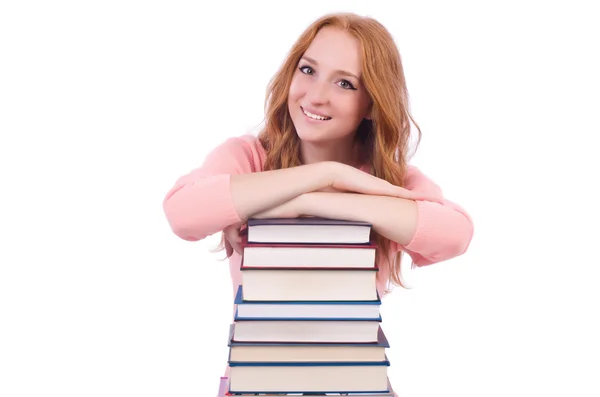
pixel 327 100
pixel 334 145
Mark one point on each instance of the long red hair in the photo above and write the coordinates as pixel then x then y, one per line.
pixel 384 139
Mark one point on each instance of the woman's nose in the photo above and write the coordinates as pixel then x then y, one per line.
pixel 318 92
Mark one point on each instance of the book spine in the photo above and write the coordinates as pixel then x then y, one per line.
pixel 222 387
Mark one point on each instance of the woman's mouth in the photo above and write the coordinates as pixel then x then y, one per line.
pixel 314 116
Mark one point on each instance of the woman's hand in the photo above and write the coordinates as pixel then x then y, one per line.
pixel 233 238
pixel 345 178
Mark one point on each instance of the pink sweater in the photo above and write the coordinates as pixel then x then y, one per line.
pixel 200 204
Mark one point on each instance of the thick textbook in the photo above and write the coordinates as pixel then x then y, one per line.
pixel 308 230
pixel 306 352
pixel 306 310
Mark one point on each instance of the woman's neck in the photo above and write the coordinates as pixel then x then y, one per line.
pixel 349 153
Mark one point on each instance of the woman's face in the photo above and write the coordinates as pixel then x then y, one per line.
pixel 327 100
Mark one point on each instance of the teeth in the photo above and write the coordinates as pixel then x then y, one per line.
pixel 315 116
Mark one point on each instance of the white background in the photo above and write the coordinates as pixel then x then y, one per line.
pixel 103 105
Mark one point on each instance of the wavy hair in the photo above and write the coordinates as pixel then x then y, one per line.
pixel 384 139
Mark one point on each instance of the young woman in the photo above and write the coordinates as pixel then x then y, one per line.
pixel 335 145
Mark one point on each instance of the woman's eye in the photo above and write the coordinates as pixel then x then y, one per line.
pixel 306 69
pixel 346 85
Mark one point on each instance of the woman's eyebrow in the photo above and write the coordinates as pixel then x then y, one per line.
pixel 342 72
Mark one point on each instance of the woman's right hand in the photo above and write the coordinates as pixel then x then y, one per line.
pixel 345 178
pixel 233 238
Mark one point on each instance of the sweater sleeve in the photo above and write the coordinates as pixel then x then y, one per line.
pixel 444 229
pixel 200 204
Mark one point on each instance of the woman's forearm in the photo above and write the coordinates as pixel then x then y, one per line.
pixel 432 232
pixel 392 217
pixel 257 192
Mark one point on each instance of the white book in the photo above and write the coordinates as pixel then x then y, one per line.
pixel 309 284
pixel 225 386
pixel 311 377
pixel 356 331
pixel 308 230
pixel 309 256
pixel 306 351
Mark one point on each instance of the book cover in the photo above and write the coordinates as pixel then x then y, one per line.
pixel 305 309
pixel 308 255
pixel 307 230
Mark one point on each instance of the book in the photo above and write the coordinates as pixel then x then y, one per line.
pixel 307 319
pixel 280 310
pixel 306 351
pixel 308 255
pixel 312 377
pixel 300 284
pixel 297 330
pixel 308 230
pixel 224 392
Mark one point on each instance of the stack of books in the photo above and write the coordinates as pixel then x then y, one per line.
pixel 307 318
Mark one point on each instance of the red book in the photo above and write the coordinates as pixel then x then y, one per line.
pixel 309 284
pixel 323 256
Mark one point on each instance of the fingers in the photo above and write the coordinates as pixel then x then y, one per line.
pixel 237 247
pixel 236 243
pixel 397 191
pixel 387 189
pixel 409 194
pixel 401 192
pixel 234 238
pixel 228 248
pixel 231 247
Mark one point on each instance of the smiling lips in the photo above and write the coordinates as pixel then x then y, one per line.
pixel 314 116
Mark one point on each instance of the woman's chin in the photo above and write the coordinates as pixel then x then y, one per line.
pixel 312 138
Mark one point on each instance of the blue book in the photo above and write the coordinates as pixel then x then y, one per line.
pixel 306 310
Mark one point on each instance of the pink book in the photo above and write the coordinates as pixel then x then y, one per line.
pixel 222 386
